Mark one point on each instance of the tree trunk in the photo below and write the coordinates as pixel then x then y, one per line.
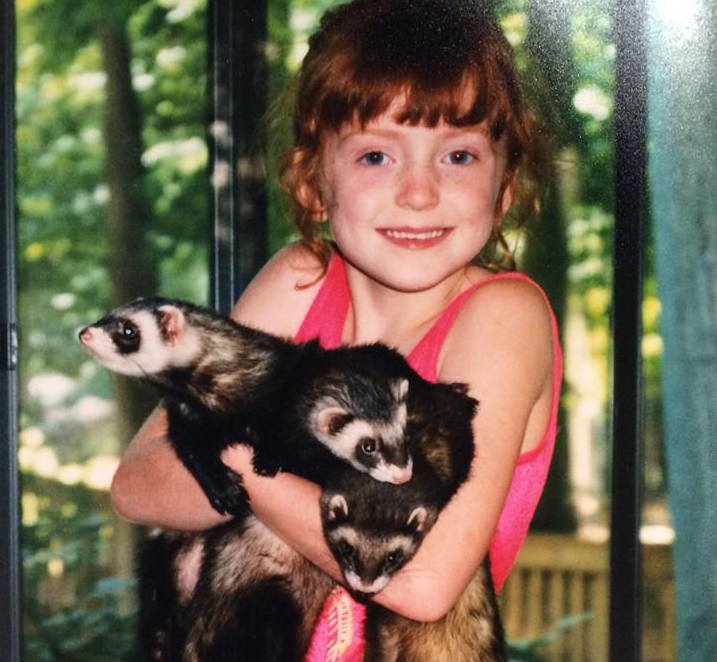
pixel 682 110
pixel 131 262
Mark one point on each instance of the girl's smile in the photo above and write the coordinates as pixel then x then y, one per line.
pixel 408 237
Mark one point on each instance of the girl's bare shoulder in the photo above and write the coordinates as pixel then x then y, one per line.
pixel 504 325
pixel 280 295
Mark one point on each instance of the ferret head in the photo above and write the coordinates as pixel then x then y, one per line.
pixel 362 419
pixel 372 544
pixel 142 339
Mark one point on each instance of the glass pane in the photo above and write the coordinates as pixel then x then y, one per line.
pixel 113 203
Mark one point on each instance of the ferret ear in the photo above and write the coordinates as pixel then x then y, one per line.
pixel 171 323
pixel 331 419
pixel 338 508
pixel 400 389
pixel 417 519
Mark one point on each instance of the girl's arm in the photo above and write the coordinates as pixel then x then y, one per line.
pixel 501 346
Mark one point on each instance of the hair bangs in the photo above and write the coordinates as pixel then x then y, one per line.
pixel 464 98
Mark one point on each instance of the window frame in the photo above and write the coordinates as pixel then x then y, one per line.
pixel 630 136
pixel 10 566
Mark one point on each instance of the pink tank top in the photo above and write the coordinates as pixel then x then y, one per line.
pixel 338 633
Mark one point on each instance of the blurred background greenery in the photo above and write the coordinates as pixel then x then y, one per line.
pixel 114 202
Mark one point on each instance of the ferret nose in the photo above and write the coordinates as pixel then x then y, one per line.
pixel 402 474
pixel 85 335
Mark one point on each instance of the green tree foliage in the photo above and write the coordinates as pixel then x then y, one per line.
pixel 111 125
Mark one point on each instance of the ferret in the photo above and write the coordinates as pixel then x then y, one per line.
pixel 237 590
pixel 226 383
pixel 374 529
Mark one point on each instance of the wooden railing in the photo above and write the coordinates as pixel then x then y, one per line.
pixel 560 588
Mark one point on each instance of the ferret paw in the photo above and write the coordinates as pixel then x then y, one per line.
pixel 265 467
pixel 232 498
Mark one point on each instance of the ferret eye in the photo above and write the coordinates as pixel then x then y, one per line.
pixel 393 560
pixel 128 330
pixel 369 445
pixel 346 551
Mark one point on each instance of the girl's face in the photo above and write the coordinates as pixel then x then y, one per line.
pixel 411 206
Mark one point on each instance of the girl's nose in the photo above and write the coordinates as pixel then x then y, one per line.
pixel 418 188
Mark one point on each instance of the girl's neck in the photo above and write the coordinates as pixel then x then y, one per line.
pixel 399 319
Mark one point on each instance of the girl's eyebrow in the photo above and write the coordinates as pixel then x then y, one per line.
pixel 445 133
pixel 369 133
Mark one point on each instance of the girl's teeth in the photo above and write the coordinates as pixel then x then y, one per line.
pixel 400 234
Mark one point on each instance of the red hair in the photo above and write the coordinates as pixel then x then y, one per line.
pixel 434 54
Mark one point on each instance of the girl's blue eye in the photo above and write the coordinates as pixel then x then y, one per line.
pixel 374 158
pixel 460 157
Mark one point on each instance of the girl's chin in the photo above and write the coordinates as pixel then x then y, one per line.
pixel 412 281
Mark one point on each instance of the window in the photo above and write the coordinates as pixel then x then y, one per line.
pixel 151 74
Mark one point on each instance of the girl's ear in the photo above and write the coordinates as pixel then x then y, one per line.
pixel 305 192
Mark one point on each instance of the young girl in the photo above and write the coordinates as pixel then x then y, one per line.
pixel 412 143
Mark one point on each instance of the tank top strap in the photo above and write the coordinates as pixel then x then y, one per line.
pixel 326 316
pixel 424 356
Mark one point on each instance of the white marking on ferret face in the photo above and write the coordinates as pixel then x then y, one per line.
pixel 393 432
pixel 153 354
pixel 98 342
pixel 392 473
pixel 357 584
pixel 345 533
pixel 383 439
